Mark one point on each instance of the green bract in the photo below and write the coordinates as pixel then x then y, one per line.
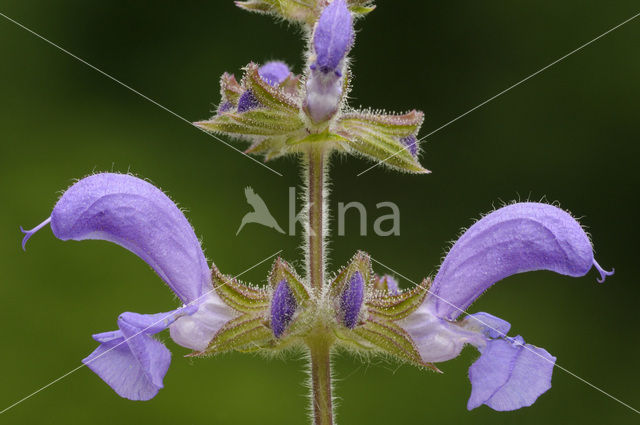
pixel 301 11
pixel 375 331
pixel 279 125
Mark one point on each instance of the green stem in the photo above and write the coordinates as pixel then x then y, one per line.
pixel 316 230
pixel 321 382
pixel 319 342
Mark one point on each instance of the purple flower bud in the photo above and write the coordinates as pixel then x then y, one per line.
pixel 248 101
pixel 411 144
pixel 351 300
pixel 274 72
pixel 333 36
pixel 332 39
pixel 225 107
pixel 283 307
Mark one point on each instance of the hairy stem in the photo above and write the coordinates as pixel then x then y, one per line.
pixel 319 341
pixel 321 382
pixel 317 215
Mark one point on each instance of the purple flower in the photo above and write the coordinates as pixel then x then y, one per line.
pixel 351 300
pixel 517 238
pixel 274 72
pixel 225 106
pixel 411 144
pixel 139 217
pixel 333 36
pixel 248 101
pixel 283 307
pixel 332 39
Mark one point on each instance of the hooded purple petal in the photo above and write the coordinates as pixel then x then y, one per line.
pixel 351 300
pixel 333 36
pixel 283 307
pixel 509 375
pixel 130 360
pixel 136 215
pixel 274 72
pixel 514 239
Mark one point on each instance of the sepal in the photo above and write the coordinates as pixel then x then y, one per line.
pixel 242 298
pixel 381 137
pixel 390 338
pixel 268 95
pixel 230 89
pixel 245 333
pixel 400 305
pixel 361 262
pixel 273 110
pixel 385 284
pixel 302 11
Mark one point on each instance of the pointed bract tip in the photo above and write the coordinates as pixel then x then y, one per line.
pixel 29 233
pixel 603 273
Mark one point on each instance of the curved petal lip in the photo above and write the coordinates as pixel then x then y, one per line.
pixel 514 239
pixel 136 215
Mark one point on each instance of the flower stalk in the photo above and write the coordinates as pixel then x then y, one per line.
pixel 319 344
pixel 320 350
pixel 315 234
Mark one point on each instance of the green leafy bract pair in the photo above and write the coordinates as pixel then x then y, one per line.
pixel 375 330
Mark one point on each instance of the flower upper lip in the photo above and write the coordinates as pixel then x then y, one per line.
pixel 516 238
pixel 136 215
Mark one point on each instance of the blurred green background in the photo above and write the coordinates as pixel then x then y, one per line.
pixel 569 134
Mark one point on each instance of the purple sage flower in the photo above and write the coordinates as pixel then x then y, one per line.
pixel 283 307
pixel 333 37
pixel 509 374
pixel 351 300
pixel 274 72
pixel 138 216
